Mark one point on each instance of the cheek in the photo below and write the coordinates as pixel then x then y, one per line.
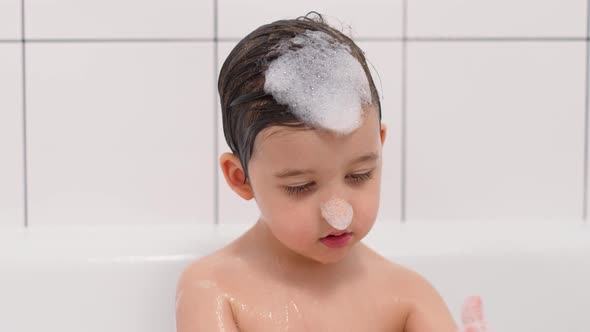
pixel 296 224
pixel 367 204
pixel 289 216
pixel 365 211
pixel 296 216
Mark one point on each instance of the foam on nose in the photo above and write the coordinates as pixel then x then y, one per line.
pixel 337 212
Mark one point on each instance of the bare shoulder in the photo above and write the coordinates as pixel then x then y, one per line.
pixel 205 266
pixel 428 312
pixel 202 303
pixel 426 309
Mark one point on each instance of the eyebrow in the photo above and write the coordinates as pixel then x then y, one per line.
pixel 294 172
pixel 367 157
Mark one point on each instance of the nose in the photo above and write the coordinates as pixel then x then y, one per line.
pixel 337 212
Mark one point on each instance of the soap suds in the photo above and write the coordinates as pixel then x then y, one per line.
pixel 337 212
pixel 321 82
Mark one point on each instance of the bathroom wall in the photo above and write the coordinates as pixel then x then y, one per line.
pixel 109 116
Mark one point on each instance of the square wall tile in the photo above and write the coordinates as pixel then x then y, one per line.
pixel 11 137
pixel 119 19
pixel 232 208
pixel 372 18
pixel 10 19
pixel 385 63
pixel 504 18
pixel 120 134
pixel 495 130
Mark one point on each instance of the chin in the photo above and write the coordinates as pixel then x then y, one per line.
pixel 330 261
pixel 334 257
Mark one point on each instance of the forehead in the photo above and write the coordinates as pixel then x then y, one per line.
pixel 286 146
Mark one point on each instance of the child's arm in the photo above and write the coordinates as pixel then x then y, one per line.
pixel 429 312
pixel 201 306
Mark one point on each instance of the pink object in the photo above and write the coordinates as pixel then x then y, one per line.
pixel 472 315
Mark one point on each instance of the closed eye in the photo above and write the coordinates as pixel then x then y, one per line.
pixel 356 178
pixel 299 189
pixel 362 177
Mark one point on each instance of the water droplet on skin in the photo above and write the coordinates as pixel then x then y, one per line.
pixel 219 314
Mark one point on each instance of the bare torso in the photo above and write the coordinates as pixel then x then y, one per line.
pixel 369 294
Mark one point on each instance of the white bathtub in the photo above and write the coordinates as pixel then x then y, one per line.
pixel 533 276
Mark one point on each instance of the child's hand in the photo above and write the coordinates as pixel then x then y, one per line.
pixel 472 316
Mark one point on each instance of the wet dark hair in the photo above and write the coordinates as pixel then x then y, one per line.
pixel 246 109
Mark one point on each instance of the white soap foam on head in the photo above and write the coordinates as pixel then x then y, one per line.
pixel 337 212
pixel 321 82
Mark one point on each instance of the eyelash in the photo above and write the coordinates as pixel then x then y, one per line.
pixel 356 178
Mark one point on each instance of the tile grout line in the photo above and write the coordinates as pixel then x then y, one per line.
pixel 120 40
pixel 587 65
pixel 493 39
pixel 363 39
pixel 403 120
pixel 24 101
pixel 215 111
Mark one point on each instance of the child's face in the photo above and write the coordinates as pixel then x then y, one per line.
pixel 331 168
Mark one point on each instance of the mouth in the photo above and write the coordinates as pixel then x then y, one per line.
pixel 336 239
pixel 336 233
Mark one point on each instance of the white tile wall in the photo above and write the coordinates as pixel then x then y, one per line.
pixel 11 137
pixel 386 57
pixel 370 18
pixel 119 19
pixel 232 209
pixel 505 18
pixel 495 130
pixel 120 133
pixel 10 19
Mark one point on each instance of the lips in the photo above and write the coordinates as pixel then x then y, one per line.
pixel 336 239
pixel 337 233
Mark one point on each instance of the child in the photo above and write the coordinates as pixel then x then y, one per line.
pixel 302 117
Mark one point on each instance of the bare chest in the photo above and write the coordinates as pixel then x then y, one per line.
pixel 275 309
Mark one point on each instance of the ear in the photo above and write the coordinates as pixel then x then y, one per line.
pixel 383 132
pixel 234 175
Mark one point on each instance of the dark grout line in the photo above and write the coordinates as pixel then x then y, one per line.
pixel 215 110
pixel 585 202
pixel 230 39
pixel 119 40
pixel 24 95
pixel 494 39
pixel 403 120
